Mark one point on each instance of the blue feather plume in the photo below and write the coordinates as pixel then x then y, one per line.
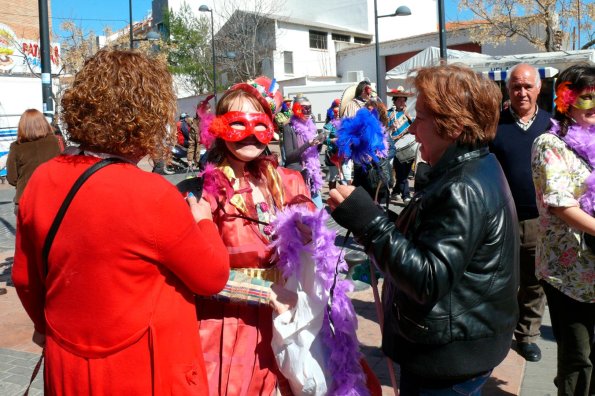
pixel 361 138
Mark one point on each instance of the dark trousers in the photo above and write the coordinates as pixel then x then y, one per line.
pixel 402 171
pixel 572 323
pixel 531 298
pixel 414 386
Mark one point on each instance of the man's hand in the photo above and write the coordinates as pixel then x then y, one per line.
pixel 338 195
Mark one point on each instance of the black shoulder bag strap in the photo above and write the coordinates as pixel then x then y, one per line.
pixel 54 228
pixel 49 239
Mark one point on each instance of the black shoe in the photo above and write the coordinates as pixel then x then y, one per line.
pixel 529 350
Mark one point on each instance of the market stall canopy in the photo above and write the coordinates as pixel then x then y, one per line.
pixel 428 57
pixel 500 75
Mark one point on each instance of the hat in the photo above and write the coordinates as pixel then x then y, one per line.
pixel 266 91
pixel 348 95
pixel 287 99
pixel 399 92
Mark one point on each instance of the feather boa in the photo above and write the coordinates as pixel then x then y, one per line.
pixel 361 138
pixel 306 131
pixel 216 183
pixel 582 141
pixel 206 119
pixel 343 349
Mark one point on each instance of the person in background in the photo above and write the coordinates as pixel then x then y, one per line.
pixel 399 122
pixel 301 144
pixel 331 157
pixel 363 93
pixel 562 162
pixel 35 144
pixel 376 178
pixel 450 261
pixel 113 305
pixel 518 127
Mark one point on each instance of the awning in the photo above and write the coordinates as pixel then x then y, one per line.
pixel 500 75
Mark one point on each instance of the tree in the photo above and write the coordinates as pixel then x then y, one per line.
pixel 541 22
pixel 189 51
pixel 249 34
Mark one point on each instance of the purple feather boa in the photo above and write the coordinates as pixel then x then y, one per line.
pixel 582 141
pixel 306 131
pixel 343 356
pixel 361 138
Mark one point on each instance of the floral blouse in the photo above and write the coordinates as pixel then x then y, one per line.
pixel 561 258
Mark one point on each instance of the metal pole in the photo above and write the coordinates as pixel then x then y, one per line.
pixel 578 19
pixel 213 50
pixel 441 30
pixel 130 30
pixel 46 66
pixel 377 47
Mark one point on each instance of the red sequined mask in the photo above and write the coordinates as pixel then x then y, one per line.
pixel 234 126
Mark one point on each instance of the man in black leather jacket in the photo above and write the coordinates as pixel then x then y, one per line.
pixel 451 259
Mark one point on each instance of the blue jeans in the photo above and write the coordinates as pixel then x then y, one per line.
pixel 317 199
pixel 414 386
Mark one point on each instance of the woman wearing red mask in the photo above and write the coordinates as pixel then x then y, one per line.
pixel 301 146
pixel 245 189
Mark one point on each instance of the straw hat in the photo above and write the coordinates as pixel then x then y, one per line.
pixel 399 92
pixel 348 95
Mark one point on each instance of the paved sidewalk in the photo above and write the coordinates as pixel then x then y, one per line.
pixel 18 354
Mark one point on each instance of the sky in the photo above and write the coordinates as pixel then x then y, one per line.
pixel 95 15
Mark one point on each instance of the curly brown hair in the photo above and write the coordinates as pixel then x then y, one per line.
pixel 123 103
pixel 460 100
pixel 381 109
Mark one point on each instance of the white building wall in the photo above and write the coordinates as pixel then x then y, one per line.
pixel 306 61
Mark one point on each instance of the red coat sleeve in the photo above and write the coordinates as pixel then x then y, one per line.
pixel 194 252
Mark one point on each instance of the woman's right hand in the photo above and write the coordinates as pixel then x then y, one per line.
pixel 281 299
pixel 201 210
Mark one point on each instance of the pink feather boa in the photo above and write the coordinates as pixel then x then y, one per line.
pixel 343 356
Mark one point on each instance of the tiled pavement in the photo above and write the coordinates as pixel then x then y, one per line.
pixel 18 354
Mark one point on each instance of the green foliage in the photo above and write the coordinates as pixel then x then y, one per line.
pixel 189 49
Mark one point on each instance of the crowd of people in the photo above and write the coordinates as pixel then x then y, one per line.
pixel 137 287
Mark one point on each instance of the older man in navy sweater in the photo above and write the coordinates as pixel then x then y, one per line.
pixel 519 125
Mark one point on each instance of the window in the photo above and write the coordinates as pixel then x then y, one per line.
pixel 318 40
pixel 288 62
pixel 340 37
pixel 361 40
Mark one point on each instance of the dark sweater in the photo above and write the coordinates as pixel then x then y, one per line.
pixel 512 147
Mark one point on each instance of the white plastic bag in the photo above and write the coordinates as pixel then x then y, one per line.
pixel 298 349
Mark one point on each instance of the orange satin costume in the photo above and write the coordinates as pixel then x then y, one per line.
pixel 236 338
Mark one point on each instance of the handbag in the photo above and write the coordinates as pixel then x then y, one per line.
pixel 49 239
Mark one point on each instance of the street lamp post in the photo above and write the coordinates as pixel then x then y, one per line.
pixel 204 8
pixel 400 11
pixel 130 26
pixel 441 30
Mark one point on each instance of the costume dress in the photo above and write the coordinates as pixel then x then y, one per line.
pixel 236 336
pixel 117 304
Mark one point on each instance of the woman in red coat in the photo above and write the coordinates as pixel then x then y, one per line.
pixel 115 310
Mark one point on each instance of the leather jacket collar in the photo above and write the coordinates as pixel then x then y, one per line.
pixel 455 154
